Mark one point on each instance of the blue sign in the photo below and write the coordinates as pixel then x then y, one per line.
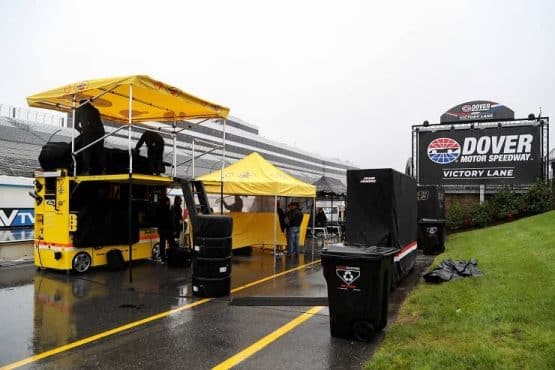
pixel 17 217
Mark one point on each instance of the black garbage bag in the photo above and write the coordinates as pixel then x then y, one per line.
pixel 452 270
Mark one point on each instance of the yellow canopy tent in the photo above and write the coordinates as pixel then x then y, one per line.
pixel 254 175
pixel 151 100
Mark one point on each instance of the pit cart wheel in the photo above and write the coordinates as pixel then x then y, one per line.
pixel 156 251
pixel 81 262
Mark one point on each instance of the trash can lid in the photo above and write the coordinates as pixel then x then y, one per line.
pixel 372 252
pixel 435 221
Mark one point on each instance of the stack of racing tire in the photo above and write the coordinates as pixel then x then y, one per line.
pixel 212 255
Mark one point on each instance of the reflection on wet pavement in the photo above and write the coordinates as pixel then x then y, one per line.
pixel 43 310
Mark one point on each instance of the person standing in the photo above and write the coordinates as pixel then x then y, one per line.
pixel 155 150
pixel 177 217
pixel 295 218
pixel 90 127
pixel 237 205
pixel 282 226
pixel 165 226
pixel 281 217
pixel 321 219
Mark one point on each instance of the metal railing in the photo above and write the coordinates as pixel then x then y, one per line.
pixel 32 115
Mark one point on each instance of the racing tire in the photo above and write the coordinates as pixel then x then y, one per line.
pixel 211 268
pixel 212 226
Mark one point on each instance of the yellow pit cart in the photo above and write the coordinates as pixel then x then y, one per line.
pixel 81 219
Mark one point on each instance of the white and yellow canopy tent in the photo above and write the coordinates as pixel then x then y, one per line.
pixel 254 175
pixel 131 100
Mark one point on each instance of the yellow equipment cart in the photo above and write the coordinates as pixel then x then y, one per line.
pixel 70 236
pixel 59 242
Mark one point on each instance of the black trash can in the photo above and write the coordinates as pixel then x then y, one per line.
pixel 358 280
pixel 433 235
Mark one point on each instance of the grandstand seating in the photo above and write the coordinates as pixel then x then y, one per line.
pixel 18 159
pixel 21 143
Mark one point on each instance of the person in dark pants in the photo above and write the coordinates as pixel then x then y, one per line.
pixel 90 127
pixel 282 226
pixel 165 226
pixel 177 217
pixel 295 217
pixel 321 219
pixel 155 150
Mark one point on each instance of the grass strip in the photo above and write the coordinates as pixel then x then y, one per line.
pixel 503 319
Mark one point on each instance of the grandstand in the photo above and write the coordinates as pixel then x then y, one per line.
pixel 22 135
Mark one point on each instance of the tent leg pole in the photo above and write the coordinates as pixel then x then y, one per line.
pixel 193 150
pixel 130 195
pixel 313 226
pixel 73 136
pixel 174 169
pixel 331 214
pixel 275 232
pixel 222 170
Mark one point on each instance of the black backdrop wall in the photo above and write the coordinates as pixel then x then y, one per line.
pixel 381 208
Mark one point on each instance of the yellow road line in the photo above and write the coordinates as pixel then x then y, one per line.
pixel 104 334
pixel 135 324
pixel 242 287
pixel 257 346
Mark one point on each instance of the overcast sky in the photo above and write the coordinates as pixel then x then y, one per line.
pixel 343 79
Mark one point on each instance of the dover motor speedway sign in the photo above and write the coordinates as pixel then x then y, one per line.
pixel 495 155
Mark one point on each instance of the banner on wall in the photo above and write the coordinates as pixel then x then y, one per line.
pixel 17 217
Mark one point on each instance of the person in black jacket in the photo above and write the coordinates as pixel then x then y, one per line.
pixel 165 226
pixel 155 150
pixel 90 127
pixel 321 219
pixel 236 206
pixel 281 217
pixel 177 217
pixel 294 218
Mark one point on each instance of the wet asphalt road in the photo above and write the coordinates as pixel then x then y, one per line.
pixel 45 310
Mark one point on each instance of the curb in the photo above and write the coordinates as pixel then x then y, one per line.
pixel 16 262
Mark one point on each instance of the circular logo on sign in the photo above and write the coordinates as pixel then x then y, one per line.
pixel 466 108
pixel 444 150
